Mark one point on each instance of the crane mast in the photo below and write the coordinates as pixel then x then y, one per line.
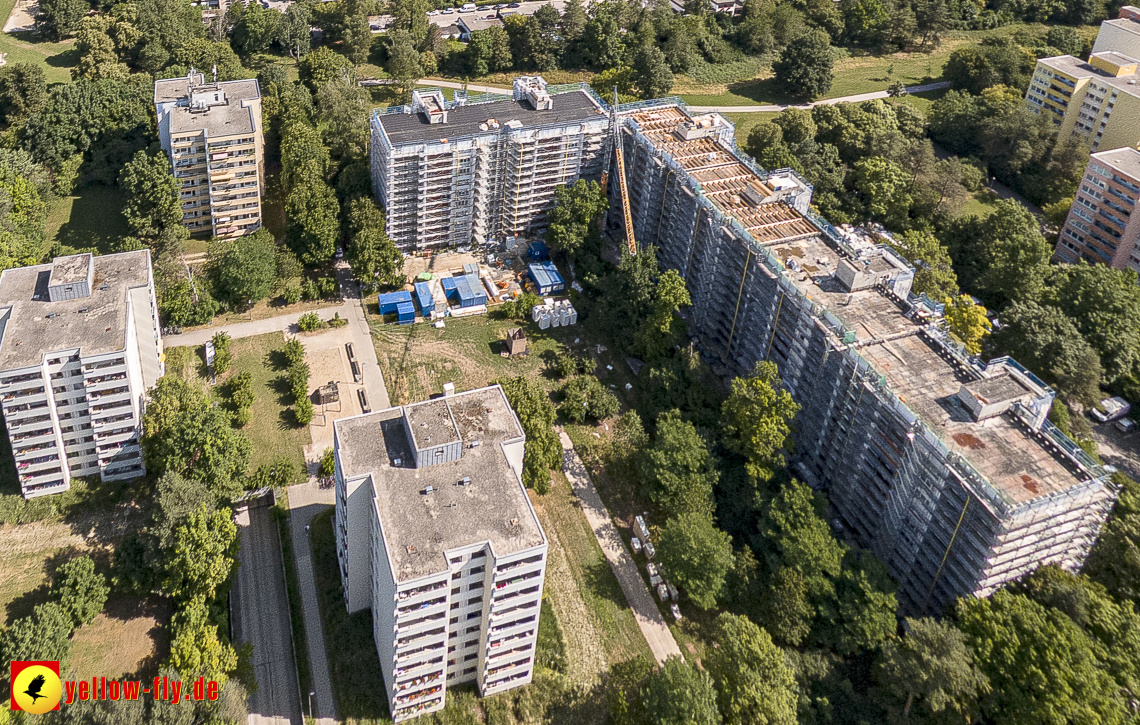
pixel 623 189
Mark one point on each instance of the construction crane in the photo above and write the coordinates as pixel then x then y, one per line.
pixel 623 189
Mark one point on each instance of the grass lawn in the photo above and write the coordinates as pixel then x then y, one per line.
pixel 271 430
pixel 91 218
pixel 982 202
pixel 56 58
pixel 745 122
pixel 127 638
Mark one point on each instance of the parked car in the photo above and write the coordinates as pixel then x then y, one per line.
pixel 1110 409
pixel 514 5
pixel 433 12
pixel 636 544
pixel 663 592
pixel 1126 425
pixel 448 11
pixel 676 611
pixel 651 569
pixel 468 7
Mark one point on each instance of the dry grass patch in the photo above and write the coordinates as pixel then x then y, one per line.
pixel 127 637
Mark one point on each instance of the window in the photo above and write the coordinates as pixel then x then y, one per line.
pixel 471 630
pixel 469 671
pixel 470 657
pixel 475 600
pixel 476 585
pixel 474 615
pixel 478 569
pixel 455 591
pixel 453 620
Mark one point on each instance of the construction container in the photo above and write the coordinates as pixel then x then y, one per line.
pixel 543 318
pixel 405 313
pixel 465 291
pixel 538 251
pixel 470 268
pixel 390 301
pixel 640 529
pixel 424 299
pixel 572 315
pixel 492 292
pixel 546 278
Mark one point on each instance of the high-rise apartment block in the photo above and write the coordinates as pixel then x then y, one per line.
pixel 1098 100
pixel 944 465
pixel 1103 224
pixel 79 346
pixel 483 168
pixel 213 136
pixel 435 533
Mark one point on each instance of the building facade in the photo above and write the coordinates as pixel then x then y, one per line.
pixel 944 465
pixel 483 169
pixel 1121 34
pixel 213 136
pixel 1103 226
pixel 79 346
pixel 436 535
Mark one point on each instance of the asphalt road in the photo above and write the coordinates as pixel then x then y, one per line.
pixel 645 610
pixel 261 617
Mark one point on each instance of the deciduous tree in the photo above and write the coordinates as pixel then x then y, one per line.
pixel 754 685
pixel 696 555
pixel 680 467
pixel 23 90
pixel 80 590
pixel 196 650
pixel 576 210
pixel 58 19
pixel 203 557
pixel 933 271
pixel 44 636
pixel 804 67
pixel 374 258
pixel 152 203
pixel 312 228
pixel 246 270
pixel 968 322
pixel 651 72
pixel 680 694
pixel 344 106
pixel 756 419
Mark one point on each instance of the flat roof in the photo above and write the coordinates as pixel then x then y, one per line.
pixel 70 269
pixel 431 423
pixel 29 333
pixel 1125 160
pixel 462 121
pixel 1115 58
pixel 420 528
pixel 1073 66
pixel 227 119
pixel 476 23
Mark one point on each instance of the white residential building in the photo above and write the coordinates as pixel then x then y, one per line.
pixel 79 346
pixel 435 533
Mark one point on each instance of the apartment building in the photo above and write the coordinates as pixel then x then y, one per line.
pixel 483 168
pixel 435 533
pixel 1103 226
pixel 944 465
pixel 212 133
pixel 79 346
pixel 1098 100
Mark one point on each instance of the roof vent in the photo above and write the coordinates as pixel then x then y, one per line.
pixel 514 522
pixel 465 481
pixel 474 444
pixel 51 315
pixel 429 490
pixel 82 310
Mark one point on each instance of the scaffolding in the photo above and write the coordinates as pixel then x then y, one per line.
pixel 953 503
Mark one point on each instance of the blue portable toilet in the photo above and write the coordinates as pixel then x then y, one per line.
pixel 405 313
pixel 389 302
pixel 424 299
pixel 546 278
pixel 538 251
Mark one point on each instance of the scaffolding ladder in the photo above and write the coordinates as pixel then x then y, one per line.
pixel 623 189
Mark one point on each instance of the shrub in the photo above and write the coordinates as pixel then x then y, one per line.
pixel 337 321
pixel 309 322
pixel 298 375
pixel 242 417
pixel 222 357
pixel 294 351
pixel 328 462
pixel 584 397
pixel 327 287
pixel 80 590
pixel 278 474
pixel 303 411
pixel 519 309
pixel 291 295
pixel 240 390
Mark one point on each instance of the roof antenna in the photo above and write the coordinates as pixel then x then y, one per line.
pixel 215 73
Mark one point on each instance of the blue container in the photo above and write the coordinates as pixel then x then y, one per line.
pixel 538 251
pixel 405 313
pixel 424 299
pixel 389 302
pixel 546 278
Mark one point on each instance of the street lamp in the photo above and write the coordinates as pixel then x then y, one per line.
pixel 311 703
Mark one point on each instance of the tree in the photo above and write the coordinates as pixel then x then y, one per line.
pixel 930 667
pixel 804 67
pixel 80 591
pixel 1115 560
pixel 536 413
pixel 43 636
pixel 1002 257
pixel 696 556
pixel 659 331
pixel 933 271
pixel 203 557
pixel 754 684
pixel 584 397
pixel 859 615
pixel 176 498
pixel 1045 340
pixel 680 694
pixel 356 34
pixel 321 66
pixel 756 420
pixel 183 433
pixel 195 649
pixel 247 270
pixel 793 534
pixel 312 228
pixel 403 60
pixel 577 208
pixel 410 16
pixel 58 19
pixel 968 322
pixel 1041 666
pixel 344 106
pixel 152 203
pixel 256 30
pixel 489 51
pixel 651 73
pixel 304 157
pixel 205 55
pixel 571 26
pixel 680 467
pixel 375 260
pixel 23 90
pixel 997 61
pixel 601 41
pixel 294 33
pixel 884 188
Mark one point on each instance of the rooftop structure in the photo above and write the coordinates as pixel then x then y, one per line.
pixel 1103 226
pixel 1121 34
pixel 943 464
pixel 86 328
pixel 436 534
pixel 213 136
pixel 482 168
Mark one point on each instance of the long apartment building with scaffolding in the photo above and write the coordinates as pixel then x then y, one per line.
pixel 212 134
pixel 79 347
pixel 483 168
pixel 942 464
pixel 436 535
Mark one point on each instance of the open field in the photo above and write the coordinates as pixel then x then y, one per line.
pixel 91 218
pixel 56 58
pixel 271 429
pixel 128 637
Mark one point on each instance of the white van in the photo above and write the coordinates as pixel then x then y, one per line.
pixel 468 7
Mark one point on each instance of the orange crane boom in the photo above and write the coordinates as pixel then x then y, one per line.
pixel 623 189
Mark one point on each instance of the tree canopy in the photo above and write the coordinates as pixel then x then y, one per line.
pixel 696 555
pixel 754 684
pixel 756 419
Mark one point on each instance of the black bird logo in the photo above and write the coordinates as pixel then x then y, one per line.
pixel 34 688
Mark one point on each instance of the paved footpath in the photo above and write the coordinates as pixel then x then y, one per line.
pixel 645 610
pixel 825 102
pixel 305 502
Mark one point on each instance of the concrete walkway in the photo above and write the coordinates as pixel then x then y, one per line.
pixel 825 102
pixel 305 502
pixel 645 610
pixel 471 87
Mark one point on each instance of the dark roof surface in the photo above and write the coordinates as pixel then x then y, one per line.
pixel 463 121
